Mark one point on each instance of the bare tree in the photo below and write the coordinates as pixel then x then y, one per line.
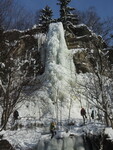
pixel 98 88
pixel 16 71
pixel 11 87
pixel 4 8
pixel 14 16
pixel 100 26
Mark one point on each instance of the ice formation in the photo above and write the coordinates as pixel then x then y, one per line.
pixel 55 97
pixel 62 144
pixel 59 68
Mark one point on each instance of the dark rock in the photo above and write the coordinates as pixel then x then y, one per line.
pixel 29 41
pixel 110 54
pixel 81 36
pixel 107 143
pixel 80 30
pixel 82 62
pixel 1 136
pixel 12 35
pixel 5 145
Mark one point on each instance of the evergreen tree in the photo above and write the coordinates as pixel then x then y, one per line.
pixel 45 18
pixel 66 14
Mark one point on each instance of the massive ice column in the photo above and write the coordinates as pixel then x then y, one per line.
pixel 59 68
pixel 54 94
pixel 58 80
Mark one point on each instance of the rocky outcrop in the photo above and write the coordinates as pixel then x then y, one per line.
pixel 13 35
pixel 90 46
pixel 107 143
pixel 81 62
pixel 81 36
pixel 110 54
pixel 20 45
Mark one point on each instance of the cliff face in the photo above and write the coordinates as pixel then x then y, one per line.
pixel 20 45
pixel 89 48
pixel 48 61
pixel 16 43
pixel 55 71
pixel 5 145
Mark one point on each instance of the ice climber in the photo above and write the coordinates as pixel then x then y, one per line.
pixel 53 129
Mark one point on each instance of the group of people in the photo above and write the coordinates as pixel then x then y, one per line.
pixel 83 114
pixel 53 124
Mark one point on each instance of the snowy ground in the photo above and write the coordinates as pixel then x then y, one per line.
pixel 28 136
pixel 109 132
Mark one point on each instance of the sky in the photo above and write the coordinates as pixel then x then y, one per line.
pixel 104 7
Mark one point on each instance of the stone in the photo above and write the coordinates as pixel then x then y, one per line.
pixel 5 145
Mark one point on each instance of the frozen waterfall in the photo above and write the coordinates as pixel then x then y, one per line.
pixel 59 70
pixel 59 77
pixel 55 95
pixel 74 143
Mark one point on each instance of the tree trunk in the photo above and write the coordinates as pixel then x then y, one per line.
pixel 107 120
pixel 4 119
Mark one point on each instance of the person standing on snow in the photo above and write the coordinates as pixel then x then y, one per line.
pixel 53 129
pixel 83 114
pixel 92 114
pixel 15 115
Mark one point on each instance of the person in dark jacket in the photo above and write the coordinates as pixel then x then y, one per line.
pixel 83 114
pixel 15 115
pixel 52 129
pixel 92 114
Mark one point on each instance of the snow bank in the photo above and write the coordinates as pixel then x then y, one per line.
pixel 109 132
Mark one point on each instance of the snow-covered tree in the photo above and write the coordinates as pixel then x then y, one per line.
pixel 45 18
pixel 99 85
pixel 66 14
pixel 11 86
pixel 17 69
pixel 99 26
